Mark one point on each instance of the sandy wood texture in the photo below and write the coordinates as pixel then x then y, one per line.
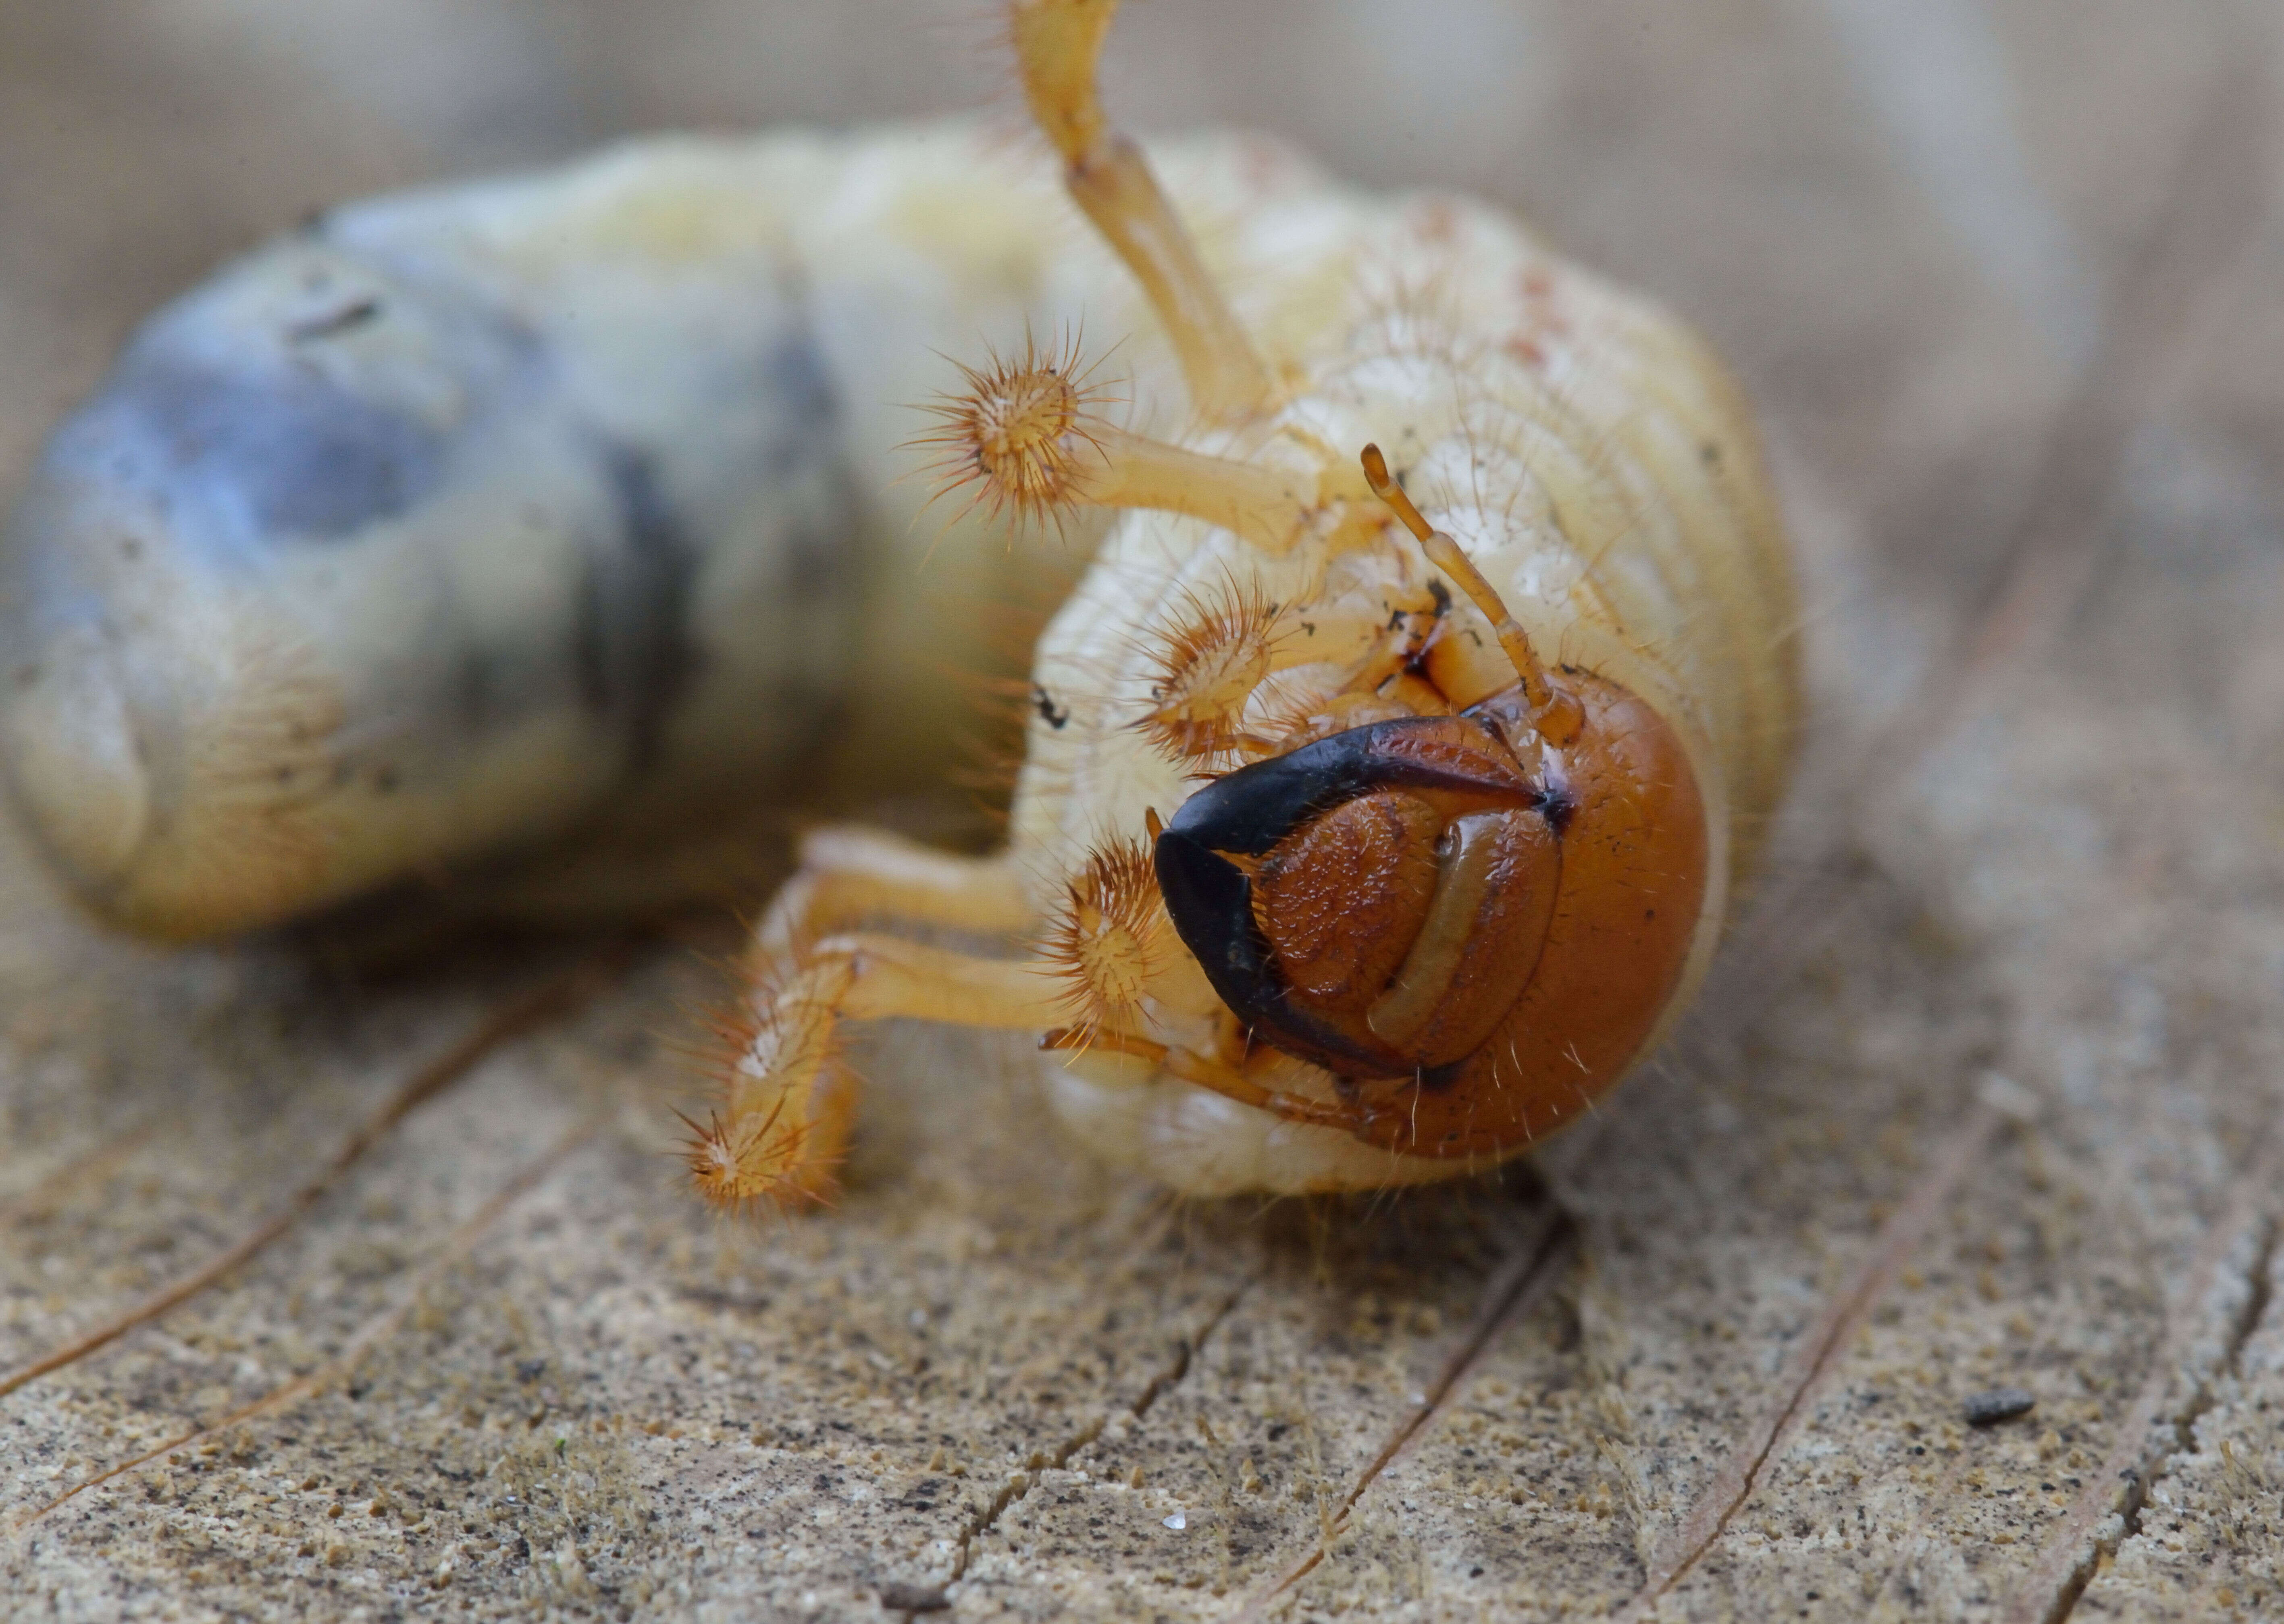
pixel 1984 1097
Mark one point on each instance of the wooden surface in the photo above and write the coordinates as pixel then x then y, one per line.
pixel 1983 1097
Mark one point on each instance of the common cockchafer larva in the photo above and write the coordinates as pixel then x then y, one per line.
pixel 1378 812
pixel 1358 843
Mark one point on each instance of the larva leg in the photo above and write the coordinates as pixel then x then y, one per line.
pixel 789 1100
pixel 1029 434
pixel 848 873
pixel 1057 44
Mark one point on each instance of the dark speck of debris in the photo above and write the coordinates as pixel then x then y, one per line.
pixel 908 1598
pixel 1999 1405
pixel 1043 703
pixel 530 1369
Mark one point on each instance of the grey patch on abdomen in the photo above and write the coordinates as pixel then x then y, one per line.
pixel 300 456
pixel 822 573
pixel 795 380
pixel 630 650
pixel 819 572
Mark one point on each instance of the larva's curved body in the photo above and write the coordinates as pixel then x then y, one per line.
pixel 1378 811
pixel 548 511
pixel 1337 878
pixel 1595 461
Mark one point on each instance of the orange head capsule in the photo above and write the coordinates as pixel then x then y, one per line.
pixel 1420 901
pixel 1477 921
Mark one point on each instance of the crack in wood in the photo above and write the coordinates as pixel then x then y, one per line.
pixel 1918 1544
pixel 2071 1556
pixel 373 1332
pixel 1524 1282
pixel 1015 1487
pixel 559 995
pixel 2194 261
pixel 1741 1473
pixel 2207 1392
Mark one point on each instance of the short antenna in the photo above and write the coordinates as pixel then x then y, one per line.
pixel 1445 554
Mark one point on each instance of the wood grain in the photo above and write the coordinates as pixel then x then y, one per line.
pixel 1985 1097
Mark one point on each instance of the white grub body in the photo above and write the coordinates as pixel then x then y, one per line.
pixel 475 528
pixel 242 689
pixel 1587 452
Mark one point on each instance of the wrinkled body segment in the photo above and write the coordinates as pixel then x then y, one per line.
pixel 1375 814
pixel 554 514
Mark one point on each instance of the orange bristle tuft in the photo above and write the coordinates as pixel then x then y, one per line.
pixel 1105 941
pixel 1028 433
pixel 738 1168
pixel 1208 668
pixel 762 1145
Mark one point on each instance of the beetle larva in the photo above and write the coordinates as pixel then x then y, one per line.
pixel 1371 823
pixel 1360 842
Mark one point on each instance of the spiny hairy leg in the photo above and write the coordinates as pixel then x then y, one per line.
pixel 789 1099
pixel 1057 44
pixel 1028 434
pixel 847 873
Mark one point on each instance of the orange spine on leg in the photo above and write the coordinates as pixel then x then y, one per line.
pixel 1208 668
